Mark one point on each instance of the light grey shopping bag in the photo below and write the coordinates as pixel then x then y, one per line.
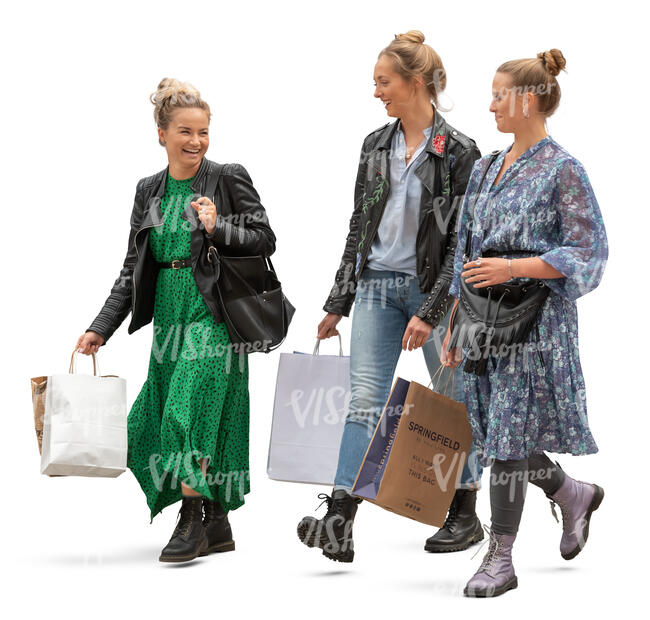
pixel 312 395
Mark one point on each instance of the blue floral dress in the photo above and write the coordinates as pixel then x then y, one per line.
pixel 534 400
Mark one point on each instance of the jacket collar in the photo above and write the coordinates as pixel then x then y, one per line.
pixel 196 183
pixel 153 215
pixel 436 143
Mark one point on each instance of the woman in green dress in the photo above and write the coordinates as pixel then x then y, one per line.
pixel 188 427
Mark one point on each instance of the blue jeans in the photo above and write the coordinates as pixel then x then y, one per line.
pixel 384 304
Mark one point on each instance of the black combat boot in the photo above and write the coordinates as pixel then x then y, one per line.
pixel 189 538
pixel 332 533
pixel 461 528
pixel 217 528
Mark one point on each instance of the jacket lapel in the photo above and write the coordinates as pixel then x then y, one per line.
pixel 435 148
pixel 153 215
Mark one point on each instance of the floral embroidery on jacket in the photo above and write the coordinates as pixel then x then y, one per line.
pixel 439 143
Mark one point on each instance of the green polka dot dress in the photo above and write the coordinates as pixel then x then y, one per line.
pixel 194 403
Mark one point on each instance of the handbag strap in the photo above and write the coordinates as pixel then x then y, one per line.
pixel 211 192
pixel 213 182
pixel 470 222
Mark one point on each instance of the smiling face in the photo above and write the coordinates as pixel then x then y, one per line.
pixel 508 106
pixel 186 138
pixel 396 93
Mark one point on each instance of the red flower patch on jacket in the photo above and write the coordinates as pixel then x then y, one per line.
pixel 439 143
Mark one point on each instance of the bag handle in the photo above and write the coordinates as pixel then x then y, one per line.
pixel 317 347
pixel 437 376
pixel 71 369
pixel 470 222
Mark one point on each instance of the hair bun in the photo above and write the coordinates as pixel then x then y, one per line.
pixel 412 36
pixel 553 61
pixel 171 88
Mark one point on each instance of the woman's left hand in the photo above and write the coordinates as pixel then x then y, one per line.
pixel 486 271
pixel 207 213
pixel 416 334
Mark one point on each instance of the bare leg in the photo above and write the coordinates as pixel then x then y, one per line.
pixel 189 491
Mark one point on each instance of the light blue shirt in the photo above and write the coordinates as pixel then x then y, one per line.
pixel 393 248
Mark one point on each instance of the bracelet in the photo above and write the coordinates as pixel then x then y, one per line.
pixel 510 268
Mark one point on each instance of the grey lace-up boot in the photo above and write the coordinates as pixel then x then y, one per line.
pixel 496 574
pixel 577 500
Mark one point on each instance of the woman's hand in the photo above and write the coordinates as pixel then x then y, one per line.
pixel 486 271
pixel 207 213
pixel 416 334
pixel 327 327
pixel 89 343
pixel 450 358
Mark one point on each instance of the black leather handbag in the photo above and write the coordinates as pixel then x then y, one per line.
pixel 255 310
pixel 491 320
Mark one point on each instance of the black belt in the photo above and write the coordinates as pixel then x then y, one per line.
pixel 179 263
pixel 496 253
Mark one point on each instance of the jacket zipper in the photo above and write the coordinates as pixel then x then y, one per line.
pixel 374 232
pixel 137 255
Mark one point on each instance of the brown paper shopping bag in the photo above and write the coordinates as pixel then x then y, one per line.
pixel 39 386
pixel 416 455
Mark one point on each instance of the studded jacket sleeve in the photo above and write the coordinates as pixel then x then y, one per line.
pixel 341 296
pixel 118 304
pixel 438 301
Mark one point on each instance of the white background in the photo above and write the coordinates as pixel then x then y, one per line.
pixel 290 86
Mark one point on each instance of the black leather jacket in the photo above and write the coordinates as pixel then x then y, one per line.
pixel 242 229
pixel 444 175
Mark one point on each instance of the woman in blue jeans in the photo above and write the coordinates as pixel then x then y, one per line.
pixel 396 269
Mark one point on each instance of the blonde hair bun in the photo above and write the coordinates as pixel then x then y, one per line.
pixel 553 60
pixel 412 36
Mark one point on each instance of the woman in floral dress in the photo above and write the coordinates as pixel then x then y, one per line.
pixel 535 198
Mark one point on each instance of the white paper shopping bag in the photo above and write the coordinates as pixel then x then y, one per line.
pixel 312 396
pixel 84 426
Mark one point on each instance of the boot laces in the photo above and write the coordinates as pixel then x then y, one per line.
pixel 564 509
pixel 452 516
pixel 210 511
pixel 184 519
pixel 492 552
pixel 331 504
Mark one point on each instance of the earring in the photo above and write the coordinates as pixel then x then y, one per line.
pixel 164 143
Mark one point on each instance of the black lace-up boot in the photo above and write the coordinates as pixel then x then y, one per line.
pixel 461 528
pixel 332 533
pixel 217 528
pixel 189 538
